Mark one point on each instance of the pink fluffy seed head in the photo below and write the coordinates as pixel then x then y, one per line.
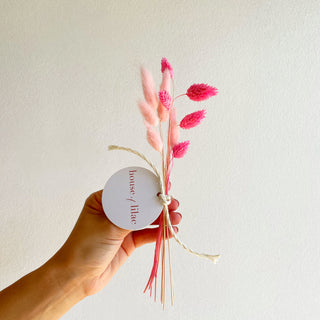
pixel 163 112
pixel 166 65
pixel 165 98
pixel 180 149
pixel 193 119
pixel 200 92
pixel 148 87
pixel 148 113
pixel 154 139
pixel 165 84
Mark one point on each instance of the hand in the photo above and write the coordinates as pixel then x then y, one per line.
pixel 97 248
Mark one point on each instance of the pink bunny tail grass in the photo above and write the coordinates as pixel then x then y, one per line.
pixel 180 149
pixel 200 92
pixel 165 84
pixel 174 128
pixel 163 112
pixel 193 119
pixel 154 139
pixel 148 87
pixel 165 65
pixel 148 113
pixel 165 98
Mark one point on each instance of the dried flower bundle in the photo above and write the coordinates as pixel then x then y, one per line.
pixel 157 109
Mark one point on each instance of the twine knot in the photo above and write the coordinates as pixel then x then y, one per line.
pixel 165 199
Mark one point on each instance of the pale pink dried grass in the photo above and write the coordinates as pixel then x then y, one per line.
pixel 148 113
pixel 148 87
pixel 174 128
pixel 154 139
pixel 163 112
pixel 165 83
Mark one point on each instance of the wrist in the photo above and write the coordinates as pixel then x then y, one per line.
pixel 61 289
pixel 63 280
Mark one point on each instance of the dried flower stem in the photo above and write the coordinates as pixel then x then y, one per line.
pixel 170 266
pixel 169 148
pixel 166 170
pixel 163 271
pixel 163 229
pixel 162 152
pixel 169 171
pixel 180 95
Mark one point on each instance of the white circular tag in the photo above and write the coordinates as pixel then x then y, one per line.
pixel 129 198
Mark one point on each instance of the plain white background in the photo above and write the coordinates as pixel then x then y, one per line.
pixel 249 185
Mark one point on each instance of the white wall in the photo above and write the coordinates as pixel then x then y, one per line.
pixel 249 186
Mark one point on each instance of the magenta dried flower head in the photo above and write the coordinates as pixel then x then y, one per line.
pixel 193 119
pixel 180 149
pixel 165 98
pixel 200 92
pixel 166 65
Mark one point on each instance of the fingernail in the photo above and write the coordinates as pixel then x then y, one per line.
pixel 176 229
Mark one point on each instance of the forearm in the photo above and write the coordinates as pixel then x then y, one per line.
pixel 46 293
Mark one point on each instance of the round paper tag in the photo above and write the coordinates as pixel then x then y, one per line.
pixel 129 198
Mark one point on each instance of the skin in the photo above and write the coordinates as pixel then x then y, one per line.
pixel 92 254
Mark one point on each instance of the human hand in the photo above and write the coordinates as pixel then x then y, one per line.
pixel 97 248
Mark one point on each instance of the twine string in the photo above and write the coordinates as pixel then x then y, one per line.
pixel 165 200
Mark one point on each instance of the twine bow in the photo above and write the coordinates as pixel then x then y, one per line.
pixel 165 200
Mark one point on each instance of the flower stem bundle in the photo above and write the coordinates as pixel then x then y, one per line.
pixel 158 109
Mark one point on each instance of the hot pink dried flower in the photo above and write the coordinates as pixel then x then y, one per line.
pixel 165 98
pixel 148 113
pixel 193 119
pixel 180 149
pixel 148 87
pixel 174 128
pixel 200 92
pixel 154 139
pixel 166 65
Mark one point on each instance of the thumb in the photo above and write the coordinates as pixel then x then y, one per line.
pixel 93 208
